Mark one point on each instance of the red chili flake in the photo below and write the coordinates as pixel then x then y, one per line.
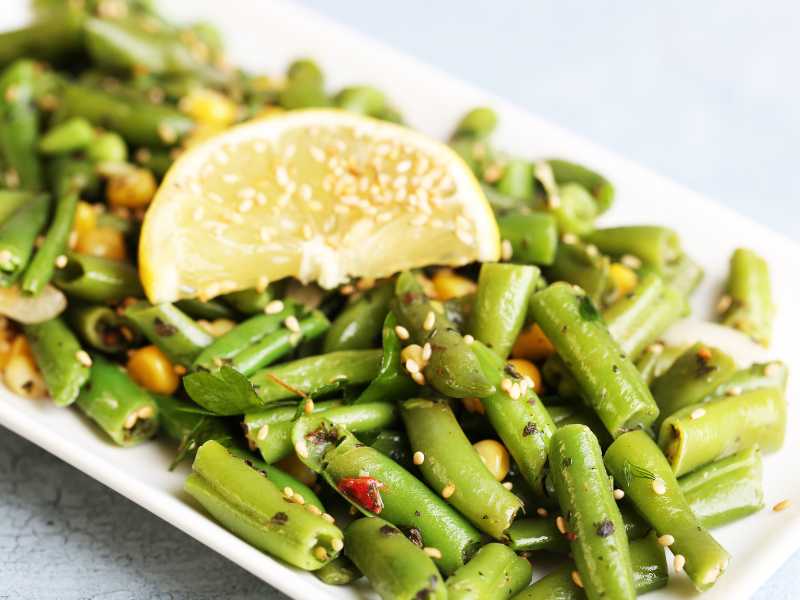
pixel 571 537
pixel 364 490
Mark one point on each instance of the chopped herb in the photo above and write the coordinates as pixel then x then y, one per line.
pixel 529 429
pixel 588 310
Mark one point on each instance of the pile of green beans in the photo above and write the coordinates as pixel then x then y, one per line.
pixel 455 435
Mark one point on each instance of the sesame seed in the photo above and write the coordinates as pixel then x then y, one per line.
pixel 274 307
pixel 591 250
pixel 724 303
pixel 288 492
pixel 468 339
pixel 666 540
pixel 619 494
pixel 320 553
pixel 448 490
pixel 697 413
pixel 542 512
pixel 292 324
pixel 659 487
pixel 576 579
pixel 561 524
pixel 506 250
pixel 61 261
pixel 263 432
pixel 6 256
pixel 656 348
pixel 419 457
pixel 505 385
pixel 298 499
pixel 569 238
pixel 329 518
pixel 734 391
pixel 430 321
pixel 308 407
pixel 515 392
pixel 245 206
pixel 434 553
pixel 262 283
pixel 337 544
pixel 307 231
pixel 772 369
pixel 508 485
pixel 167 133
pixel 402 332
pixel 427 351
pixel 679 562
pixel 782 505
pixel 418 378
pixel 301 449
pixel 412 366
pixel 313 509
pixel 631 261
pixel 84 358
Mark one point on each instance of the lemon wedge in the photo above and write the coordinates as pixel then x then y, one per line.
pixel 320 195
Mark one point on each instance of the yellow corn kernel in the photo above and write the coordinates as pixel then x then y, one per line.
pixel 21 375
pixel 473 405
pixel 495 456
pixel 449 284
pixel 294 467
pixel 131 188
pixel 217 327
pixel 209 107
pixel 85 218
pixel 624 278
pixel 150 368
pixel 527 369
pixel 532 344
pixel 103 242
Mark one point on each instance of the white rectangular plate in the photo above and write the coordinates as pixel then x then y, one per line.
pixel 265 35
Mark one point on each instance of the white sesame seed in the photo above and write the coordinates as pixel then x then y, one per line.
pixel 434 553
pixel 313 509
pixel 619 494
pixel 61 261
pixel 402 332
pixel 697 413
pixel 659 487
pixel 274 307
pixel 427 351
pixel 515 392
pixel 337 544
pixel 5 256
pixel 282 176
pixel 656 348
pixel 561 524
pixel 505 385
pixel 84 358
pixel 542 512
pixel 418 378
pixel 724 303
pixel 448 490
pixel 734 391
pixel 419 457
pixel 468 339
pixel 576 579
pixel 508 485
pixel 412 366
pixel 328 518
pixel 430 321
pixel 666 540
pixel 308 406
pixel 679 562
pixel 263 432
pixel 569 238
pixel 292 324
pixel 772 369
pixel 506 250
pixel 317 154
pixel 631 261
pixel 288 492
pixel 782 505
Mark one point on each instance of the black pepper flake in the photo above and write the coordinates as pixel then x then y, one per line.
pixel 615 368
pixel 417 513
pixel 414 535
pixel 567 462
pixel 388 530
pixel 511 371
pixel 605 528
pixel 280 518
pixel 703 366
pixel 164 329
pixel 529 429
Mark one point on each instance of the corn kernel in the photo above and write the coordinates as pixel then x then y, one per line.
pixel 527 369
pixel 85 218
pixel 532 344
pixel 21 375
pixel 150 368
pixel 209 107
pixel 103 242
pixel 131 188
pixel 624 278
pixel 449 284
pixel 495 456
pixel 473 405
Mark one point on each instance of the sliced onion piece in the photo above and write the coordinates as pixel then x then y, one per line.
pixel 14 304
pixel 739 346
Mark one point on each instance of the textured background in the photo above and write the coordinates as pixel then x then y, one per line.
pixel 704 92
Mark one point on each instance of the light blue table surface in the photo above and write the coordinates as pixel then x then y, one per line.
pixel 703 92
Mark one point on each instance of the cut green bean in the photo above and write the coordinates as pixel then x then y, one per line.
pixel 358 326
pixel 175 334
pixel 480 122
pixel 340 571
pixel 97 279
pixel 54 38
pixel 575 211
pixel 101 328
pixel 748 296
pixel 392 381
pixel 684 275
pixel 755 377
pixel 210 309
pixel 361 99
pixel 577 264
pixel 568 172
pixel 18 236
pixel 64 365
pixel 10 201
pixel 533 237
pixel 19 123
pixel 659 248
pixel 517 179
pixel 71 135
pixel 494 573
pixel 657 359
pixel 252 302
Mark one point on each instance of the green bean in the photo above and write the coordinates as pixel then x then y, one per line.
pixel 71 135
pixel 175 334
pixel 210 309
pixel 361 99
pixel 252 507
pixel 138 121
pixel 397 496
pixel 749 296
pixel 340 571
pixel 459 310
pixel 517 179
pixel 305 69
pixel 599 544
pixel 725 490
pixel 533 236
pixel 359 325
pixel 121 408
pixel 453 468
pixel 578 264
pixel 101 327
pixel 494 573
pixel 60 359
pixel 251 301
pixel 649 573
pixel 501 304
pixel 601 189
pixel 54 38
pixel 317 375
pixel 640 469
pixel 608 379
pixel 477 155
pixel 659 248
pixel 107 146
pixel 575 414
pixel 691 378
pixel 19 123
pixel 10 201
pixel 279 343
pixel 395 566
pixel 684 275
pixel 97 279
pixel 522 422
pixel 701 433
pixel 18 235
pixel 755 377
pixel 575 211
pixel 392 381
pixel 656 359
pixel 394 445
pixel 452 368
pixel 156 160
pixel 480 122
